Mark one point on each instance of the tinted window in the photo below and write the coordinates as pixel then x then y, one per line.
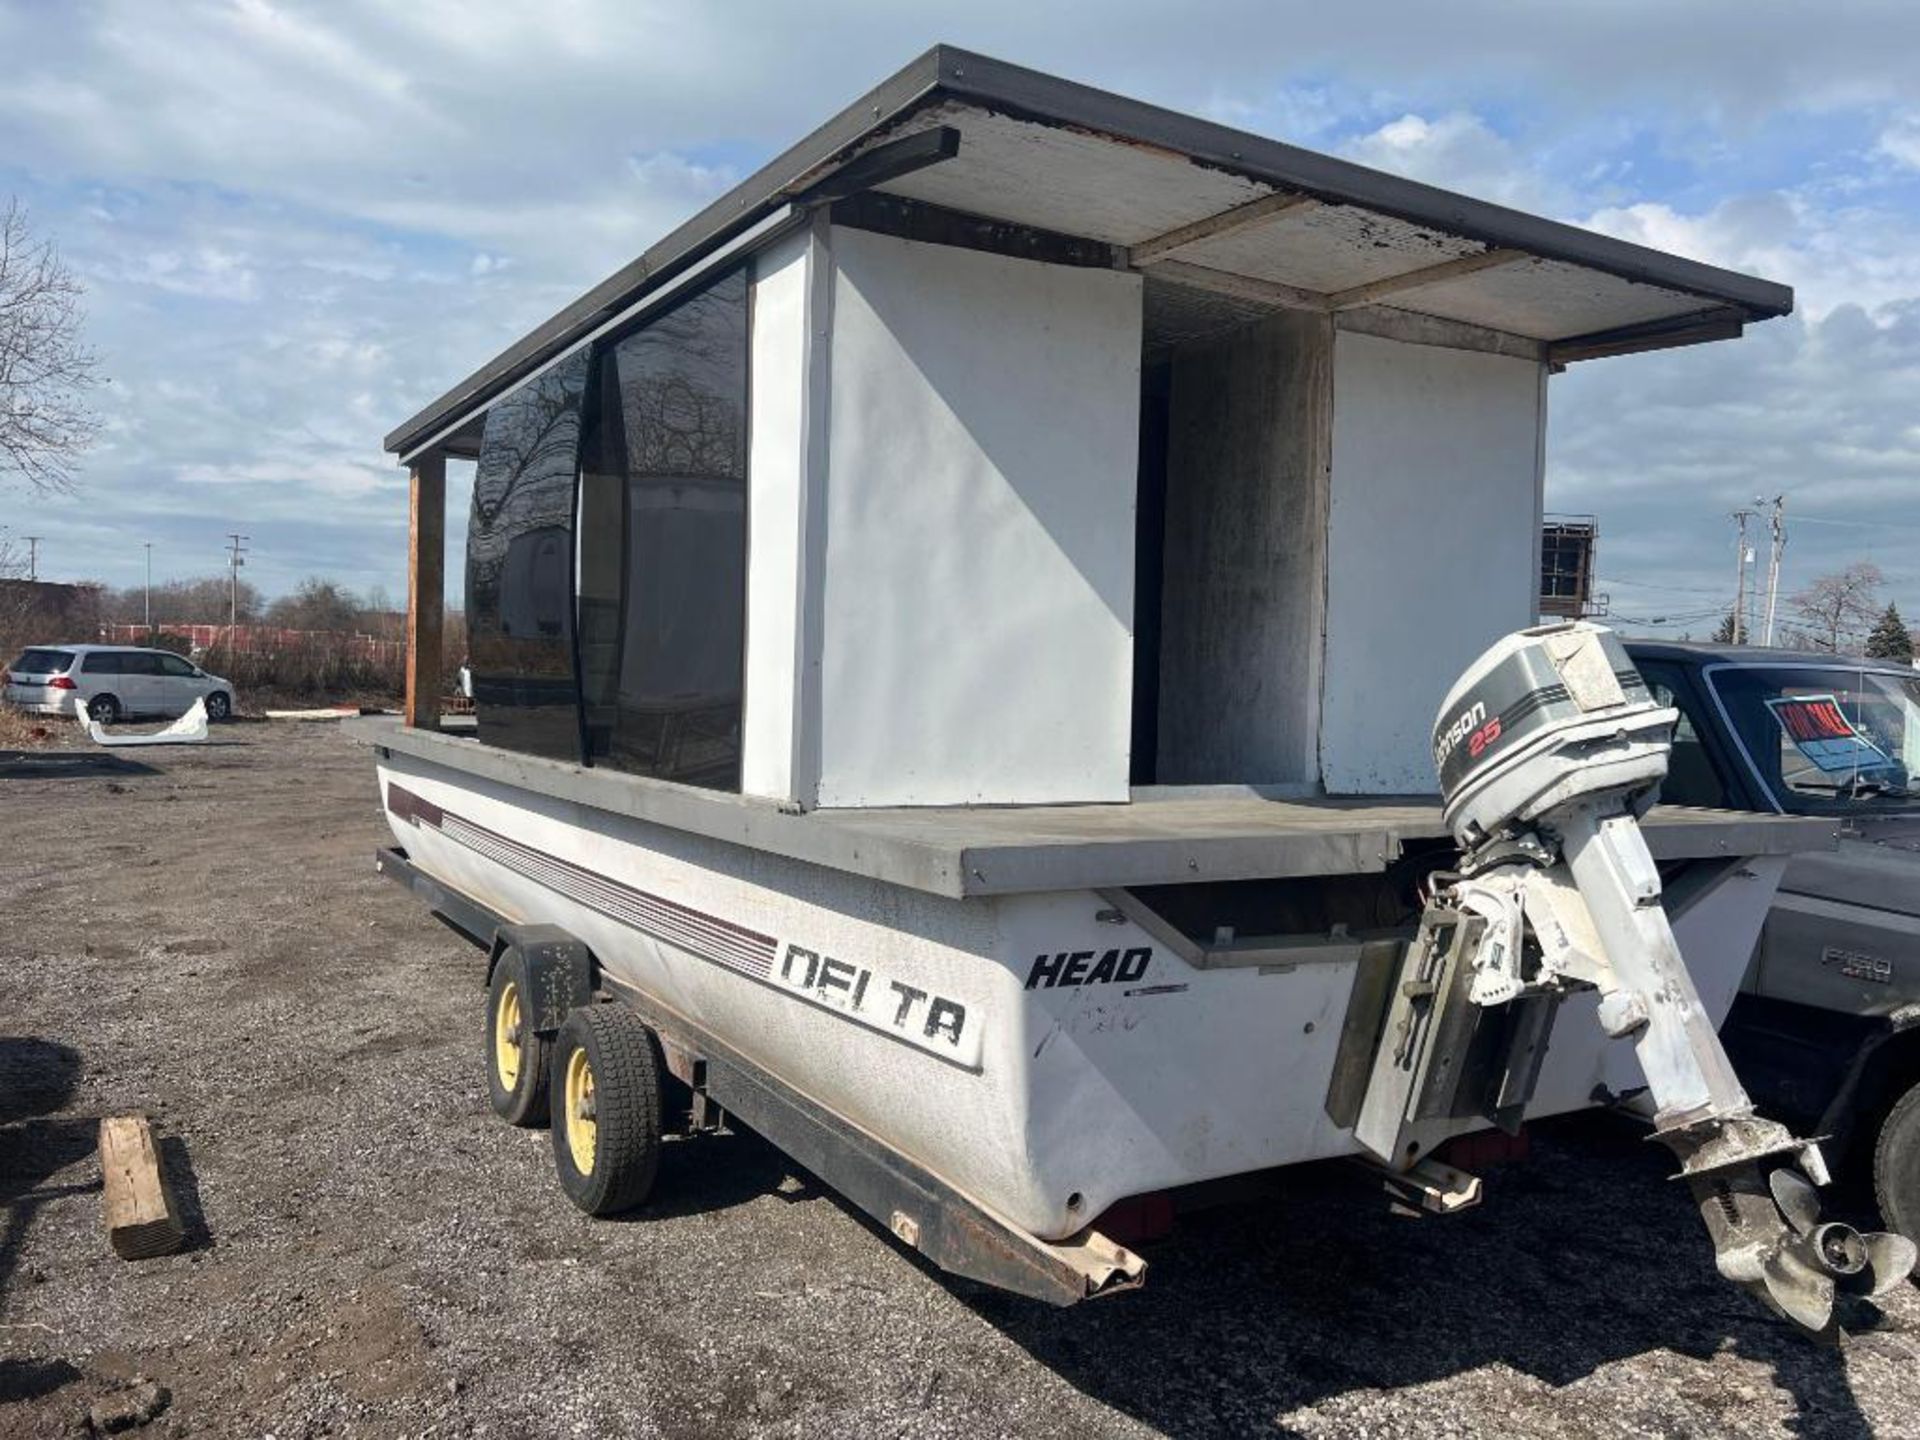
pixel 109 663
pixel 138 662
pixel 664 543
pixel 1691 777
pixel 520 566
pixel 42 662
pixel 173 665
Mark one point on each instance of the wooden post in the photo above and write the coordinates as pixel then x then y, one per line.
pixel 426 601
pixel 142 1219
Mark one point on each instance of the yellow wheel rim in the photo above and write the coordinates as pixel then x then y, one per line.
pixel 583 1128
pixel 508 1034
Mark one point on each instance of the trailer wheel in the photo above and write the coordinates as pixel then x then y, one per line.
pixel 606 1108
pixel 1896 1165
pixel 517 1058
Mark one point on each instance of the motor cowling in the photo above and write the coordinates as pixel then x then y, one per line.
pixel 1546 716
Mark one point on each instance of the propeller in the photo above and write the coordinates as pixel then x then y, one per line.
pixel 1805 1273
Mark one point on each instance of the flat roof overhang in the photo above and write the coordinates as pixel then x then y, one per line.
pixel 1203 211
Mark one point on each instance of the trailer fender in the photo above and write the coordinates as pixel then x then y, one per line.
pixel 560 971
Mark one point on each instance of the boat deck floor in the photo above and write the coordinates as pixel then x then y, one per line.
pixel 1163 836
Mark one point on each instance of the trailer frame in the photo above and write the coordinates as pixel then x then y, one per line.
pixel 952 1231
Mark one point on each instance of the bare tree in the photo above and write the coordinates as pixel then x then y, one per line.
pixel 183 602
pixel 45 370
pixel 318 604
pixel 16 597
pixel 1840 604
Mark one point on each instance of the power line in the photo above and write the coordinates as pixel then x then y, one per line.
pixel 1652 585
pixel 1861 524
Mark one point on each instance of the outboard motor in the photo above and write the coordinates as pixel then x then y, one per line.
pixel 1549 749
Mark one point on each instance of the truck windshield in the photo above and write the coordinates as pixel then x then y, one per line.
pixel 1827 739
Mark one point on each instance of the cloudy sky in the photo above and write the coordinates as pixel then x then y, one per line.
pixel 299 222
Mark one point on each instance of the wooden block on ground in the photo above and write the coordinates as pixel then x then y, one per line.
pixel 142 1219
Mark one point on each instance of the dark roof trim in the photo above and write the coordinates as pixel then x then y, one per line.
pixel 947 72
pixel 1724 323
pixel 896 215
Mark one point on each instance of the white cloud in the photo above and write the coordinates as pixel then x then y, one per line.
pixel 1459 151
pixel 1901 140
pixel 1832 254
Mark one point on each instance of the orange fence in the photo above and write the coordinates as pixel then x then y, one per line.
pixel 263 640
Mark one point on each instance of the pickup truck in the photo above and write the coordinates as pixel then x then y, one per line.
pixel 1826 1030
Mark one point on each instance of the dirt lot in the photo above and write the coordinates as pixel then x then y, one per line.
pixel 202 936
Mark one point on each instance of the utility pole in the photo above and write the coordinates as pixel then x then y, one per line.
pixel 33 555
pixel 236 552
pixel 1740 555
pixel 149 545
pixel 1778 523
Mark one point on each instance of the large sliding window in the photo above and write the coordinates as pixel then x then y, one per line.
pixel 520 567
pixel 663 543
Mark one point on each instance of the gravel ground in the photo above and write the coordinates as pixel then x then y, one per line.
pixel 201 935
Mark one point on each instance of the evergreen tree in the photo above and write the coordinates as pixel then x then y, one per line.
pixel 1724 635
pixel 1890 640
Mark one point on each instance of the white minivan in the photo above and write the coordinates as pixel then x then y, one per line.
pixel 112 682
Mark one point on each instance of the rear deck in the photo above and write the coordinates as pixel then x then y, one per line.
pixel 1164 836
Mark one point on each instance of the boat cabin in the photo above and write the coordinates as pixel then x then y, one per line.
pixel 1009 443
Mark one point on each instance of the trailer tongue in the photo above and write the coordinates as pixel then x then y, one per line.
pixel 1549 749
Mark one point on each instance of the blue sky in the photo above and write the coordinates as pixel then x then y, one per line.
pixel 299 222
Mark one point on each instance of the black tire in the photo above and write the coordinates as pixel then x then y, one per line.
pixel 621 1064
pixel 103 708
pixel 518 1061
pixel 219 706
pixel 1896 1165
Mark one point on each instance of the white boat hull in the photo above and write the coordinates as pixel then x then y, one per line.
pixel 1038 1053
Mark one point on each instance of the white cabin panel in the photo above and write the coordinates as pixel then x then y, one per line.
pixel 1432 545
pixel 776 476
pixel 976 630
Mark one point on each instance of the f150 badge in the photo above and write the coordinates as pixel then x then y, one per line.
pixel 1856 966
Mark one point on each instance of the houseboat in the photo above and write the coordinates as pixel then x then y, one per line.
pixel 956 630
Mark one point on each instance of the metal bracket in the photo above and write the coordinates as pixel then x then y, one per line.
pixel 1429 1188
pixel 884 162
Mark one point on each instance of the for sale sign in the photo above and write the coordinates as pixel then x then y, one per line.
pixel 1820 730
